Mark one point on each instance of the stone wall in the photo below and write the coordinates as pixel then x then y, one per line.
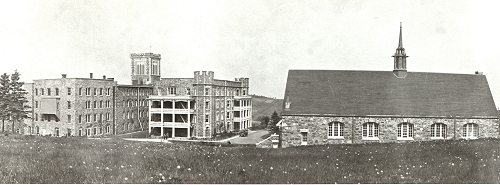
pixel 131 110
pixel 317 128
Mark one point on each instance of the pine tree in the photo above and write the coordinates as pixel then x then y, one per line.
pixel 18 108
pixel 5 90
pixel 275 118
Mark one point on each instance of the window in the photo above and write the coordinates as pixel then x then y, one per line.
pixel 405 131
pixel 88 118
pixel 79 118
pixel 87 131
pixel 69 118
pixel 303 139
pixel 108 92
pixel 228 103
pixel 69 104
pixel 156 67
pixel 188 91
pixel 80 132
pixel 207 118
pixel 57 132
pixel 42 91
pixel 438 131
pixel 107 129
pixel 100 91
pixel 100 104
pixel 171 90
pixel 336 130
pixel 95 117
pixel 95 104
pixel 48 92
pixel 207 105
pixel 228 115
pixel 69 91
pixel 207 91
pixel 94 131
pixel 36 104
pixel 57 91
pixel 470 131
pixel 100 117
pixel 107 116
pixel 36 92
pixel 107 103
pixel 370 131
pixel 95 91
pixel 140 67
pixel 244 92
pixel 80 91
pixel 37 130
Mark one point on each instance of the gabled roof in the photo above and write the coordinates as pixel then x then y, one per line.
pixel 381 93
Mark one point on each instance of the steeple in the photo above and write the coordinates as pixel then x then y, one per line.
pixel 400 56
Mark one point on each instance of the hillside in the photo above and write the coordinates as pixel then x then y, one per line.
pixel 265 106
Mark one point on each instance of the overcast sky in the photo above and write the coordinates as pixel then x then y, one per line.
pixel 261 40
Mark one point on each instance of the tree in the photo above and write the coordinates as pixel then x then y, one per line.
pixel 4 98
pixel 264 120
pixel 275 118
pixel 18 107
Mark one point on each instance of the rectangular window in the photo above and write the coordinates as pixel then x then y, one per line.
pixel 95 104
pixel 207 91
pixel 36 92
pixel 69 104
pixel 57 91
pixel 36 104
pixel 79 118
pixel 304 138
pixel 80 91
pixel 95 91
pixel 69 91
pixel 95 117
pixel 100 104
pixel 69 118
pixel 48 92
pixel 100 91
pixel 36 117
pixel 107 116
pixel 108 91
pixel 172 90
pixel 207 118
pixel 42 91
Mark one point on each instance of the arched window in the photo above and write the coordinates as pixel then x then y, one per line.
pixel 470 131
pixel 405 131
pixel 438 131
pixel 336 130
pixel 370 130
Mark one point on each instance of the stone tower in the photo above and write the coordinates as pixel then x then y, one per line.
pixel 145 68
pixel 400 57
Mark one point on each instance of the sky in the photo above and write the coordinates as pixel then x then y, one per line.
pixel 257 39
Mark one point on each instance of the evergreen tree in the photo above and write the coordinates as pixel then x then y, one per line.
pixel 4 98
pixel 275 118
pixel 18 107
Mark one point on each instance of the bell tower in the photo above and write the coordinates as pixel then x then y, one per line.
pixel 145 68
pixel 400 57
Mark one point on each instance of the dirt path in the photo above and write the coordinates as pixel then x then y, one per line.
pixel 252 138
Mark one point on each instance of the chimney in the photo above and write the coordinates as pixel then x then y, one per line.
pixel 104 77
pixel 91 75
pixel 479 73
pixel 63 75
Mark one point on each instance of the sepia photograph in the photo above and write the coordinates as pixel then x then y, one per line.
pixel 250 92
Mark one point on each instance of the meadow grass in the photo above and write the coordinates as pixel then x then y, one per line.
pixel 79 160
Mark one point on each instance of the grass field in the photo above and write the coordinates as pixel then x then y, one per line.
pixel 78 160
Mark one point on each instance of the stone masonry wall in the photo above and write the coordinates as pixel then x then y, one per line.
pixel 318 129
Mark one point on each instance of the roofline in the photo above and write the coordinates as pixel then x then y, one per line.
pixel 395 116
pixel 383 71
pixel 107 79
pixel 144 86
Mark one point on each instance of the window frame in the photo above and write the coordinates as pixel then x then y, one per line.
pixel 443 132
pixel 405 131
pixel 336 130
pixel 467 133
pixel 370 127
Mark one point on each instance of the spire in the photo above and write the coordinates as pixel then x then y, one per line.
pixel 400 56
pixel 400 35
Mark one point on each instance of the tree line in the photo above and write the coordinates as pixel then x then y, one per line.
pixel 12 100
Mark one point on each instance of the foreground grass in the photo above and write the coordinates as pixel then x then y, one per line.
pixel 77 160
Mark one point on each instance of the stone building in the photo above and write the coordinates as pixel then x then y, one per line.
pixel 332 106
pixel 200 106
pixel 131 107
pixel 72 106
